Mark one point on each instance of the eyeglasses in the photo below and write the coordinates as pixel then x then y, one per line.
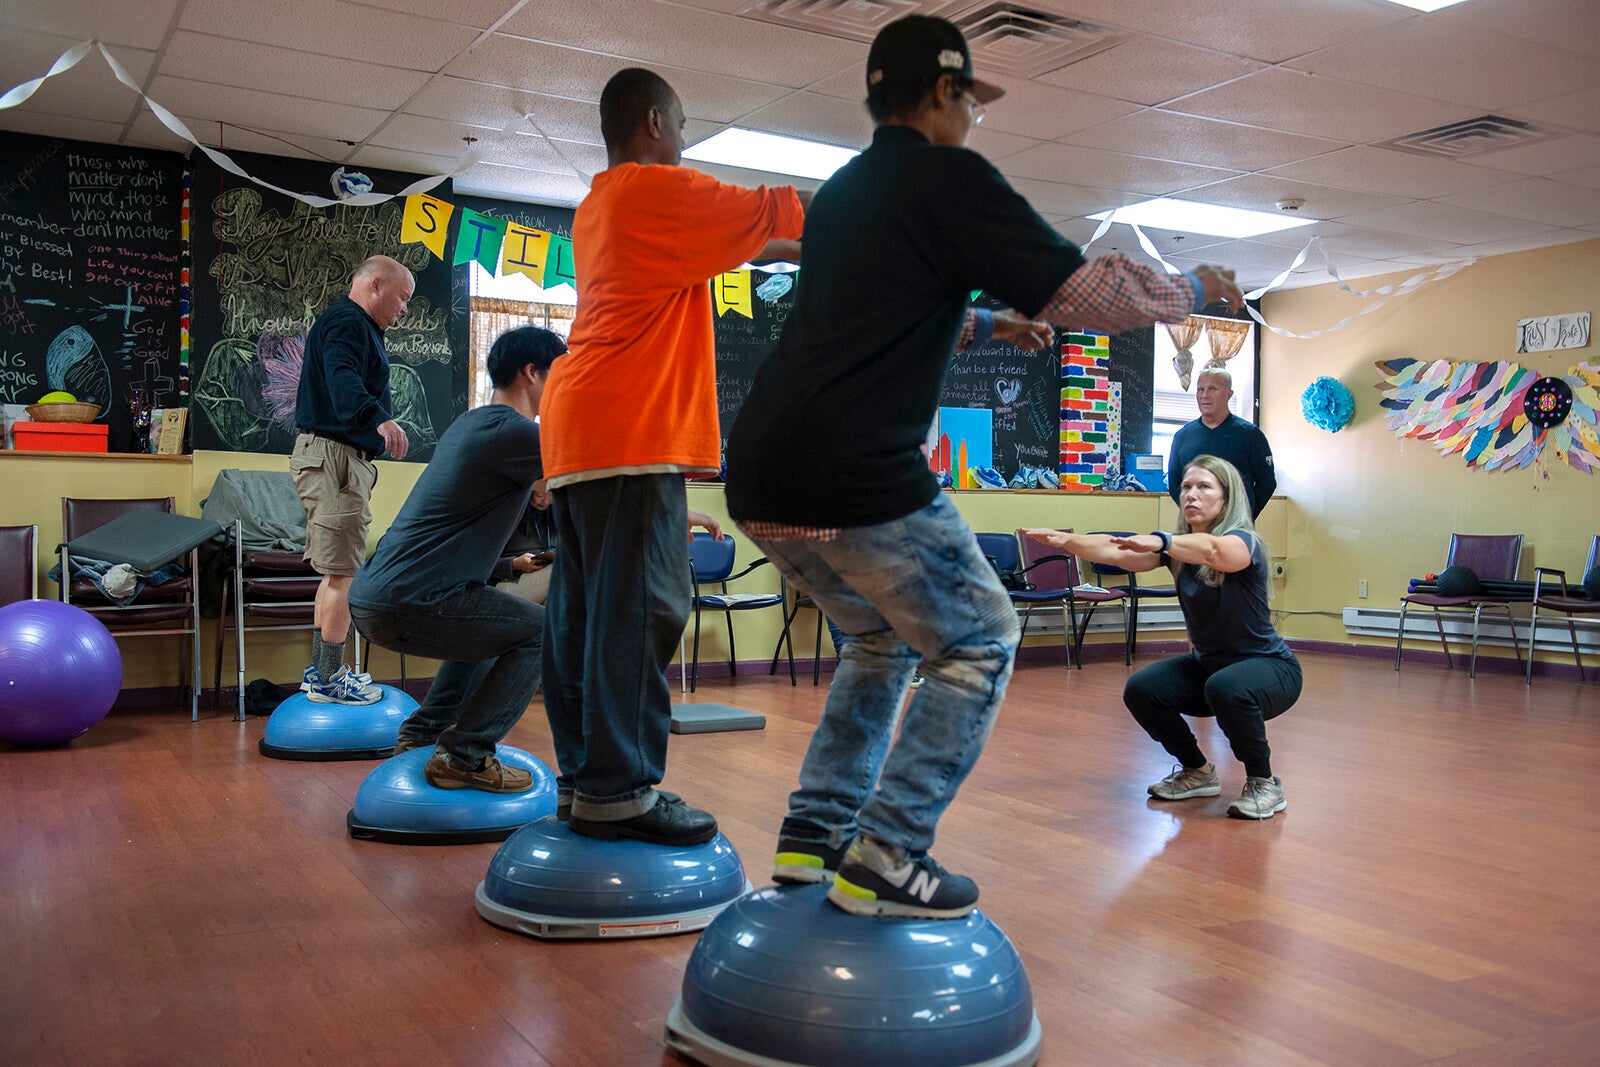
pixel 974 105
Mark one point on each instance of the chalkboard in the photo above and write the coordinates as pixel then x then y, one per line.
pixel 1132 363
pixel 265 265
pixel 743 343
pixel 89 278
pixel 1022 388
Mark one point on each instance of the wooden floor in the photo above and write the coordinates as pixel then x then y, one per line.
pixel 169 896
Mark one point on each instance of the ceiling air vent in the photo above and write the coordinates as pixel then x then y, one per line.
pixel 1008 38
pixel 1488 133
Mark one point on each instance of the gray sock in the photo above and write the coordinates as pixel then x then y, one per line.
pixel 329 658
pixel 316 647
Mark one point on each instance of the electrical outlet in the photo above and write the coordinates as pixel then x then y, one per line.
pixel 1278 569
pixel 1361 589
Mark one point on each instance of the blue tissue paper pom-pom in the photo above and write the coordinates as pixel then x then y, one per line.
pixel 1327 404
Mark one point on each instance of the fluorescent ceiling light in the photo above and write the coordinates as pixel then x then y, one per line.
pixel 754 150
pixel 1425 5
pixel 1188 216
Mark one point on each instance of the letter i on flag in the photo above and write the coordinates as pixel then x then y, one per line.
pixel 479 239
pixel 427 220
pixel 732 291
pixel 525 251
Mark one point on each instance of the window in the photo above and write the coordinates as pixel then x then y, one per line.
pixel 1173 405
pixel 501 304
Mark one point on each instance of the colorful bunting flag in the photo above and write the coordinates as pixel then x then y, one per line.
pixel 480 238
pixel 426 219
pixel 525 251
pixel 732 291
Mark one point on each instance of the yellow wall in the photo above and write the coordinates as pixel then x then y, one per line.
pixel 1371 505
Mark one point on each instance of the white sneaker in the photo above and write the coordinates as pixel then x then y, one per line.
pixel 345 688
pixel 1183 783
pixel 311 678
pixel 1262 799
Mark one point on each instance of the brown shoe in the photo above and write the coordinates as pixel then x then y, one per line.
pixel 406 744
pixel 495 777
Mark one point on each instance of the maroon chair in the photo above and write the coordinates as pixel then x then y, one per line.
pixel 267 591
pixel 1565 603
pixel 1056 580
pixel 19 564
pixel 1495 557
pixel 171 607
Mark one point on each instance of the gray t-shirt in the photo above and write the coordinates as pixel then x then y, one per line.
pixel 1231 621
pixel 451 529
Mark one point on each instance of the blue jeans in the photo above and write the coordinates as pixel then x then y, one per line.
pixel 916 589
pixel 491 645
pixel 1243 696
pixel 619 599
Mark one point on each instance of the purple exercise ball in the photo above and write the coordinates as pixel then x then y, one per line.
pixel 60 672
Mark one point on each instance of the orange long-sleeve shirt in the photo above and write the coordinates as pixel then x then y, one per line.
pixel 638 389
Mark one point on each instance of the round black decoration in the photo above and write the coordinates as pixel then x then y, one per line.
pixel 1457 581
pixel 1547 402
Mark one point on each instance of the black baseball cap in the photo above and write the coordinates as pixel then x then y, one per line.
pixel 919 48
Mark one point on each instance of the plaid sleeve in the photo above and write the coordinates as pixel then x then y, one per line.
pixel 1112 293
pixel 969 330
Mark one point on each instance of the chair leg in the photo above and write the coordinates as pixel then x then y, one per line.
pixel 1533 636
pixel 1130 619
pixel 733 659
pixel 1067 626
pixel 694 666
pixel 816 656
pixel 788 619
pixel 1477 614
pixel 1516 648
pixel 1400 637
pixel 194 635
pixel 1438 620
pixel 1074 636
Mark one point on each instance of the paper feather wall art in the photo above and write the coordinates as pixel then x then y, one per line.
pixel 1497 415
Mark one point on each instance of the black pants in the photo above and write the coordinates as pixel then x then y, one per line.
pixel 1242 696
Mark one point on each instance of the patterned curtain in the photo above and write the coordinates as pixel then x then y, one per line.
pixel 1226 337
pixel 1184 335
pixel 493 316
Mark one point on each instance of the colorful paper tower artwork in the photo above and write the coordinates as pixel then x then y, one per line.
pixel 963 440
pixel 1114 428
pixel 1085 409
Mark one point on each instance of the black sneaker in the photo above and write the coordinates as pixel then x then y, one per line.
pixel 872 881
pixel 804 860
pixel 670 822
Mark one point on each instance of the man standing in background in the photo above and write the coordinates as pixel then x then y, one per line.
pixel 1218 432
pixel 344 414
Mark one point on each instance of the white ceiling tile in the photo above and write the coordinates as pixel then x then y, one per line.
pixel 1446 223
pixel 648 32
pixel 1236 255
pixel 147 132
pixel 1588 177
pixel 1563 153
pixel 1061 199
pixel 994 145
pixel 141 25
pixel 34 122
pixel 1457 63
pixel 1261 192
pixel 752 178
pixel 1046 111
pixel 480 14
pixel 1537 199
pixel 816 117
pixel 1372 244
pixel 1165 70
pixel 253 108
pixel 267 143
pixel 542 68
pixel 1544 239
pixel 1165 135
pixel 88 90
pixel 1109 170
pixel 1557 23
pixel 1383 170
pixel 487 179
pixel 405 162
pixel 269 69
pixel 1575 111
pixel 849 82
pixel 1256 29
pixel 1287 100
pixel 497 107
pixel 526 151
pixel 333 28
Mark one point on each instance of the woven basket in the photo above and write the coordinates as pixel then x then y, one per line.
pixel 64 412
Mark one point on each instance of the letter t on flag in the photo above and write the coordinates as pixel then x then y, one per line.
pixel 427 220
pixel 732 291
pixel 479 239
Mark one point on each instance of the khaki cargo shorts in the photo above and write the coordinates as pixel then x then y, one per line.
pixel 335 484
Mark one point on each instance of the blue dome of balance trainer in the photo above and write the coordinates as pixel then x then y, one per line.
pixel 302 729
pixel 397 804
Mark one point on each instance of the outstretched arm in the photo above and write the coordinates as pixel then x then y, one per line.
pixel 1101 548
pixel 1228 554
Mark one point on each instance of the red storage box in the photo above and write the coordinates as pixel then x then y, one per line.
pixel 58 436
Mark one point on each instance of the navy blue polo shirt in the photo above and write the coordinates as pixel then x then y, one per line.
pixel 894 244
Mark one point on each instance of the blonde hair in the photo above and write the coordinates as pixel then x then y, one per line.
pixel 1235 514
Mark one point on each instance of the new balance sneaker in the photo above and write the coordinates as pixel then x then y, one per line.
pixel 492 777
pixel 311 678
pixel 1262 799
pixel 345 687
pixel 1184 783
pixel 804 860
pixel 917 679
pixel 875 879
pixel 669 822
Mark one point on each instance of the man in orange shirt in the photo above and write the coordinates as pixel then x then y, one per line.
pixel 627 415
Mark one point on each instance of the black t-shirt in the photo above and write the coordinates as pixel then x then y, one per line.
pixel 894 245
pixel 1231 621
pixel 344 380
pixel 452 527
